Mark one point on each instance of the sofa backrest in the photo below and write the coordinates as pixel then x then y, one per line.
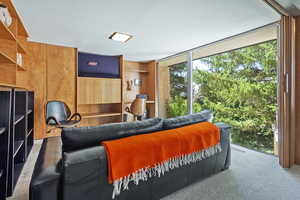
pixel 175 122
pixel 83 137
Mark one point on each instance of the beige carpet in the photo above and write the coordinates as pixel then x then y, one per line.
pixel 21 190
pixel 252 176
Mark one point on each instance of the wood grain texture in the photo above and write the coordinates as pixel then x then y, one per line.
pixel 285 114
pixel 164 90
pixel 151 89
pixel 61 75
pixel 97 114
pixel 36 81
pixel 98 90
pixel 23 77
pixel 297 91
pixel 8 74
pixel 20 28
pixel 100 120
pixel 9 46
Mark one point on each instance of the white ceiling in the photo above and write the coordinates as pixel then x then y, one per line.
pixel 160 28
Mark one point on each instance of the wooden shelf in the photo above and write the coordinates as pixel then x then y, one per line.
pixel 97 115
pixel 20 48
pixel 5 59
pixel 138 70
pixel 18 118
pixel 21 68
pixel 17 146
pixel 13 12
pixel 150 101
pixel 130 102
pixel 2 130
pixel 5 33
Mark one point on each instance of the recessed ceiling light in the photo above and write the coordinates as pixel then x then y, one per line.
pixel 121 37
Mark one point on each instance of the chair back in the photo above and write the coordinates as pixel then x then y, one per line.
pixel 57 109
pixel 138 107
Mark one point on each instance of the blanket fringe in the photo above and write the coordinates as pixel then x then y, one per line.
pixel 161 168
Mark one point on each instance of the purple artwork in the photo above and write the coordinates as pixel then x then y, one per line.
pixel 98 66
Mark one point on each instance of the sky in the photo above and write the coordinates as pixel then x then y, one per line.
pixel 199 64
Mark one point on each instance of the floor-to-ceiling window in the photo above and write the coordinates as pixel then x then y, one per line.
pixel 235 78
pixel 172 83
pixel 240 87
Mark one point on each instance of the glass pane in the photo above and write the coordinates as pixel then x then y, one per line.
pixel 172 77
pixel 240 87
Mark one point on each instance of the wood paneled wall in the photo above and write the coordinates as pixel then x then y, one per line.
pixel 34 78
pixel 98 90
pixel 61 75
pixel 163 90
pixel 51 74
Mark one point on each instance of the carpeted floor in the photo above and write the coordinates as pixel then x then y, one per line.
pixel 252 176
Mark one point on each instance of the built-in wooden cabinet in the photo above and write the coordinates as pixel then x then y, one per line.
pixel 10 46
pixel 140 78
pixel 99 100
pixel 103 100
pixel 98 90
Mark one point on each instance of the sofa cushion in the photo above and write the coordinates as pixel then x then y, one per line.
pixel 82 137
pixel 170 123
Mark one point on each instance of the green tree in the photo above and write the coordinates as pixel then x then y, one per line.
pixel 240 88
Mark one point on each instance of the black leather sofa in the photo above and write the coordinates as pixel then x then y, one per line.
pixel 77 169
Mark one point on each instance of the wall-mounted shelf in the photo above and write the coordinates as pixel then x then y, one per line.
pixel 130 102
pixel 138 70
pixel 2 130
pixel 5 59
pixel 20 47
pixel 12 38
pixel 22 68
pixel 150 101
pixel 97 115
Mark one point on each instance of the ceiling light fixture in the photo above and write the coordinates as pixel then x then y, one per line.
pixel 121 37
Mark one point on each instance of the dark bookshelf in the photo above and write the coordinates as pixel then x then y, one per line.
pixel 5 124
pixel 19 118
pixel 17 146
pixel 2 130
pixel 16 135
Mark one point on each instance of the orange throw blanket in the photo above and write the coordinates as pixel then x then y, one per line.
pixel 139 157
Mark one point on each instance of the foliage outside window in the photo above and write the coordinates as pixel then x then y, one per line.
pixel 240 87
